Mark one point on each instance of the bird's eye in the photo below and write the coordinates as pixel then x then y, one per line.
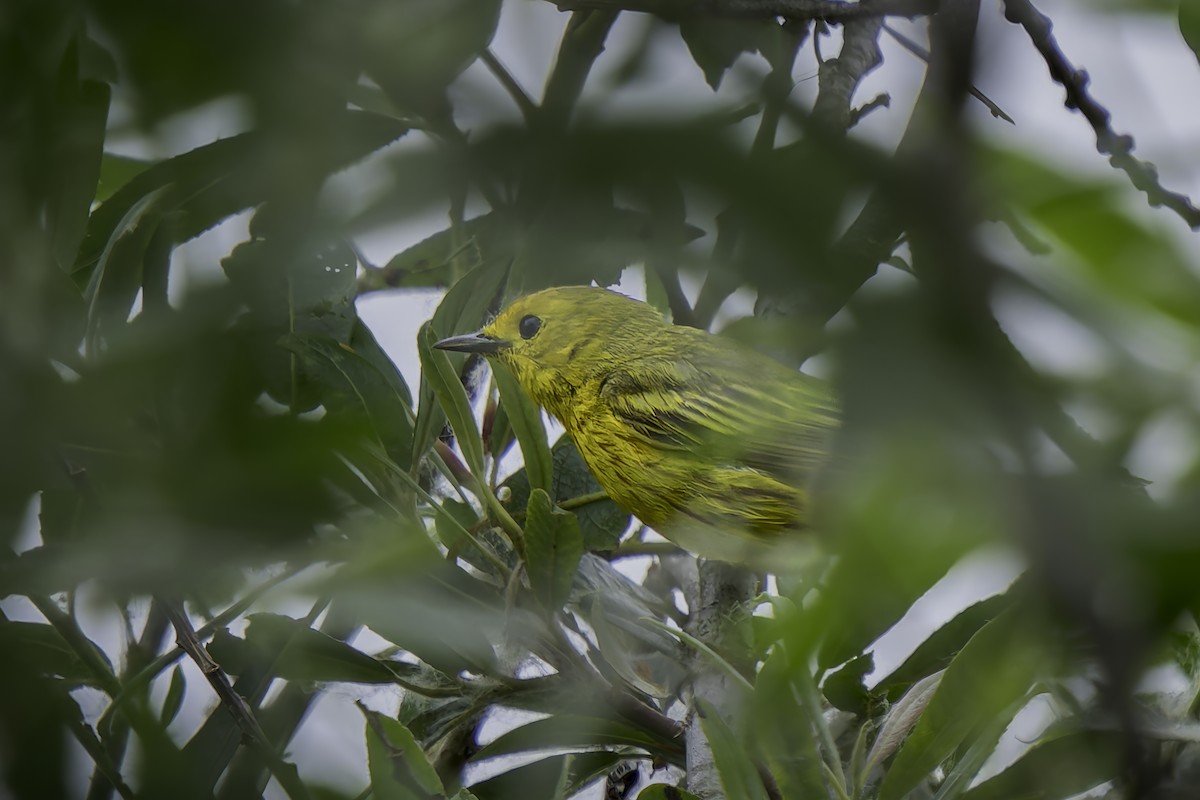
pixel 529 326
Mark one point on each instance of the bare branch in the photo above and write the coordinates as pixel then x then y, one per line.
pixel 1118 147
pixel 187 639
pixel 839 77
pixel 835 11
pixel 923 54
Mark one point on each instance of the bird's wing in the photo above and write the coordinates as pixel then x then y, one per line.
pixel 777 422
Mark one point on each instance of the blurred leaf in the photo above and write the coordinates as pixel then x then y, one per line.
pixel 997 666
pixel 439 374
pixel 781 731
pixel 117 276
pixel 83 105
pixel 526 421
pixel 44 648
pixel 553 547
pixel 844 688
pixel 115 172
pixel 62 507
pixel 444 257
pixel 217 180
pixel 716 43
pixel 919 505
pixel 301 653
pixel 292 289
pixel 540 778
pixel 738 774
pixel 568 730
pixel 593 242
pixel 449 535
pixel 634 662
pixel 602 523
pixel 939 648
pixel 1062 767
pixel 355 388
pixel 398 766
pixel 1189 24
pixel 411 596
pixel 414 49
pixel 583 239
pixel 174 699
pixel 1131 260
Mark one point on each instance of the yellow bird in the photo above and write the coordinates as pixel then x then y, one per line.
pixel 707 442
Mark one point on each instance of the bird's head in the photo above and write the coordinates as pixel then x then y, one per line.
pixel 558 337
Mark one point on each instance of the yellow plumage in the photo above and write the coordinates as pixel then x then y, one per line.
pixel 697 436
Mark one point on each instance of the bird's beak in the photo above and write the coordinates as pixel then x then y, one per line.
pixel 472 343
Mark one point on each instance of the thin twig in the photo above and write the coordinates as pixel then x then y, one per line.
pixel 528 108
pixel 235 610
pixel 187 639
pixel 923 54
pixel 1118 147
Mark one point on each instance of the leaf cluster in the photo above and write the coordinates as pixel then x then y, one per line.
pixel 215 482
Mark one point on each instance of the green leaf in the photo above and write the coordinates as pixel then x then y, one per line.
pixel 602 522
pixel 304 654
pixel 359 385
pixel 174 699
pixel 1189 24
pixel 444 257
pixel 115 172
pixel 629 655
pixel 448 533
pixel 117 277
pixel 1133 262
pixel 716 43
pixel 398 767
pixel 844 687
pixel 45 648
pixel 1062 767
pixel 292 289
pixel 526 422
pixel 781 730
pixel 414 49
pixel 541 778
pixel 939 648
pixel 410 595
pixel 568 730
pixel 997 666
pixel 665 791
pixel 553 547
pixel 217 180
pixel 439 374
pixel 62 508
pixel 735 768
pixel 84 106
pixel 461 311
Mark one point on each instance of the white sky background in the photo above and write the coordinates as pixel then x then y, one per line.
pixel 1141 71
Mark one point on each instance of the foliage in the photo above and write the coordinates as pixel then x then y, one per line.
pixel 224 455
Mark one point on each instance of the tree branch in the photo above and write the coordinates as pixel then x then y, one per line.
pixel 1118 147
pixel 834 11
pixel 717 600
pixel 187 639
